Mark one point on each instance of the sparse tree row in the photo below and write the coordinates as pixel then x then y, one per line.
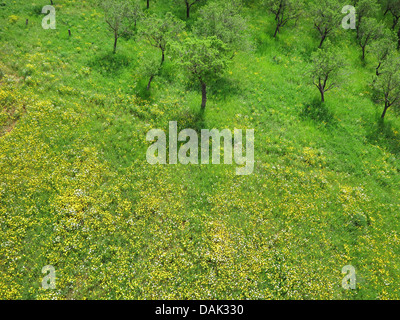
pixel 220 31
pixel 375 36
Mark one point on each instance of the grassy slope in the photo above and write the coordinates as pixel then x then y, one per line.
pixel 76 191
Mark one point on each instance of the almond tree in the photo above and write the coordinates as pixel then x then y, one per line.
pixel 326 69
pixel 382 48
pixel 159 32
pixel 386 6
pixel 119 15
pixel 365 8
pixel 388 83
pixel 370 30
pixel 136 12
pixel 284 11
pixel 326 16
pixel 224 21
pixel 149 67
pixel 205 60
pixel 188 4
pixel 394 9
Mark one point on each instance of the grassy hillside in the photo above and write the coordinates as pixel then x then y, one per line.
pixel 76 191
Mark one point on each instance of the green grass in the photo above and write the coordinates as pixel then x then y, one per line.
pixel 77 193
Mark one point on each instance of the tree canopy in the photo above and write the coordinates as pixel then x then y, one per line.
pixel 205 60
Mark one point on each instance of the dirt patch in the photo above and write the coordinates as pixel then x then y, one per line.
pixel 12 107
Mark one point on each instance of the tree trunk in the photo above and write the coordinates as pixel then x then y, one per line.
pixel 363 53
pixel 398 42
pixel 322 95
pixel 148 4
pixel 149 84
pixel 377 69
pixel 162 57
pixel 115 43
pixel 276 30
pixel 204 95
pixel 395 21
pixel 322 41
pixel 386 12
pixel 358 25
pixel 384 111
pixel 187 10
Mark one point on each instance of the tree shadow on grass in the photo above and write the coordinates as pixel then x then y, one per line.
pixel 37 9
pixel 187 119
pixel 141 89
pixel 109 64
pixel 318 112
pixel 382 133
pixel 218 91
pixel 225 88
pixel 164 77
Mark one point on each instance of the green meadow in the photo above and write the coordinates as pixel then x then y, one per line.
pixel 77 193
